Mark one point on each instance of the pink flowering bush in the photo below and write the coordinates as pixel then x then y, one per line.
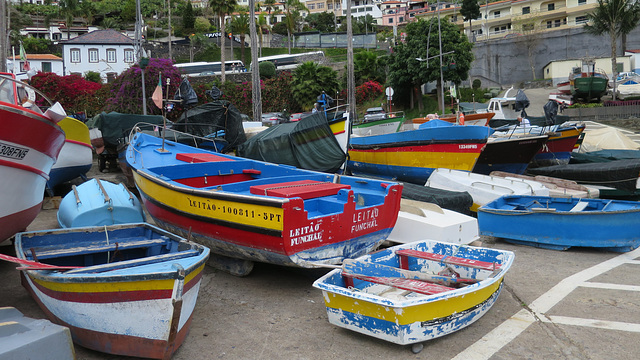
pixel 126 90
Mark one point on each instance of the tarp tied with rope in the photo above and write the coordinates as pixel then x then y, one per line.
pixel 218 118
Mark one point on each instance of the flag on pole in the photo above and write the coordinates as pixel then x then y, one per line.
pixel 157 93
pixel 23 57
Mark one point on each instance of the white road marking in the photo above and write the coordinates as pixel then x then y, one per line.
pixel 504 333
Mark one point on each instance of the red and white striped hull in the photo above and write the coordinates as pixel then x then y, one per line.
pixel 29 146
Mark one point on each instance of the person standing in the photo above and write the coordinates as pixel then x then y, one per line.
pixel 524 122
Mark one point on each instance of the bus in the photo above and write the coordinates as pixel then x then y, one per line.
pixel 292 61
pixel 203 68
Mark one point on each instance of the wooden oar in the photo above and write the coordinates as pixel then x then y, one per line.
pixel 34 265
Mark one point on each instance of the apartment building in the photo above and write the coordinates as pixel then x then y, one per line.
pixel 516 17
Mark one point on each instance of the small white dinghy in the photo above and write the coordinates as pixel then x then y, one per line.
pixel 483 188
pixel 419 220
pixel 557 187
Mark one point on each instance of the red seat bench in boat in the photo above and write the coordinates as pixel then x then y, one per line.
pixel 305 189
pixel 200 157
pixel 453 260
pixel 417 286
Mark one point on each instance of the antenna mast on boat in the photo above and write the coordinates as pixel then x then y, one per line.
pixel 3 36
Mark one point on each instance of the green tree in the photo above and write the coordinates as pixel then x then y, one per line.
pixel 240 26
pixel 279 28
pixel 188 20
pixel 406 72
pixel 470 10
pixel 310 80
pixel 322 22
pixel 614 18
pixel 201 25
pixel 368 66
pixel 222 8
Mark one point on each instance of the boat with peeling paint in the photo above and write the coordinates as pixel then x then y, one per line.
pixel 122 289
pixel 415 292
pixel 257 211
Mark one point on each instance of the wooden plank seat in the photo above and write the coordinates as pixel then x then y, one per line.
pixel 101 246
pixel 200 157
pixel 305 189
pixel 417 286
pixel 452 260
pixel 135 262
pixel 355 266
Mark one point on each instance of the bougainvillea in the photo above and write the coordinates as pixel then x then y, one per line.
pixel 73 92
pixel 366 92
pixel 126 89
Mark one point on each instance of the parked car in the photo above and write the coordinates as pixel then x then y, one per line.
pixel 273 118
pixel 375 113
pixel 298 116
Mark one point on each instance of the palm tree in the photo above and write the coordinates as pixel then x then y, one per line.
pixel 240 26
pixel 367 66
pixel 310 80
pixel 68 9
pixel 222 8
pixel 292 10
pixel 615 18
pixel 270 5
pixel 262 28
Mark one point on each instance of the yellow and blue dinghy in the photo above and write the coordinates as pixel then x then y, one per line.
pixel 415 292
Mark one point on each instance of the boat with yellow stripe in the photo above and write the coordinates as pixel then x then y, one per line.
pixel 122 289
pixel 412 155
pixel 256 211
pixel 415 292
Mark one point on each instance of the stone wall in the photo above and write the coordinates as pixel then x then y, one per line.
pixel 505 61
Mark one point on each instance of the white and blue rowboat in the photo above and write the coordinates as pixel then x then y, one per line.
pixel 561 223
pixel 125 289
pixel 415 292
pixel 98 202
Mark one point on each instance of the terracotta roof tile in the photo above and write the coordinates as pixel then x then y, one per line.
pixel 37 57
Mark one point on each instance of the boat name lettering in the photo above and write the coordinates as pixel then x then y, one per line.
pixel 13 152
pixel 364 226
pixel 236 211
pixel 306 238
pixel 205 205
pixel 365 215
pixel 468 146
pixel 304 230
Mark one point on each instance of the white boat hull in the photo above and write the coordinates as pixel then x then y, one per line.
pixel 420 221
pixel 483 188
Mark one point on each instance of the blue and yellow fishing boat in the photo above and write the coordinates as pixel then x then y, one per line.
pixel 412 155
pixel 415 292
pixel 257 211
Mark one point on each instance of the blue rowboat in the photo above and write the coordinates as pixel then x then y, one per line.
pixel 561 223
pixel 121 289
pixel 98 202
pixel 412 155
pixel 415 292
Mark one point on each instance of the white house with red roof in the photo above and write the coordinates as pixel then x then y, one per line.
pixel 37 62
pixel 107 52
